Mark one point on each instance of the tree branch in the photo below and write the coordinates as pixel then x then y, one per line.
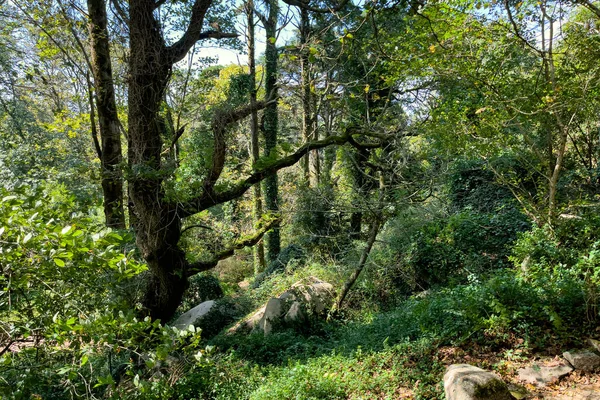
pixel 187 228
pixel 222 119
pixel 209 198
pixel 306 6
pixel 179 49
pixel 590 6
pixel 246 241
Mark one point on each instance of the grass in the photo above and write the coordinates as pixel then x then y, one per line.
pixel 395 354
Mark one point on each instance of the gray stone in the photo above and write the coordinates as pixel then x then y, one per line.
pixel 309 297
pixel 249 324
pixel 295 314
pixel 192 316
pixel 318 295
pixel 467 382
pixel 584 360
pixel 542 375
pixel 273 312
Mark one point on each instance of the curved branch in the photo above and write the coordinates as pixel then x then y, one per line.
pixel 194 33
pixel 222 120
pixel 209 198
pixel 590 6
pixel 246 241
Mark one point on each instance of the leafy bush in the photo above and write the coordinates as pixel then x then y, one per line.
pixel 202 287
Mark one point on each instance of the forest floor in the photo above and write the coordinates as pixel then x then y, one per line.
pixel 577 385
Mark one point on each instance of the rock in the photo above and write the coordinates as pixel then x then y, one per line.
pixel 542 375
pixel 467 382
pixel 244 285
pixel 192 316
pixel 584 360
pixel 305 299
pixel 249 324
pixel 595 344
pixel 271 316
pixel 318 296
pixel 295 314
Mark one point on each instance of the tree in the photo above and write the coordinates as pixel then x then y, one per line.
pixel 271 123
pixel 108 120
pixel 159 218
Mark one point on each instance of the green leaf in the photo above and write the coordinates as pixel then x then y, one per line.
pixel 59 262
pixel 84 360
pixel 65 229
pixel 27 238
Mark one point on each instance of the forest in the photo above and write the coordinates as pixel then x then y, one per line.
pixel 372 192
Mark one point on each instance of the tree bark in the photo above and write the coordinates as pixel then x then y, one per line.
pixel 108 120
pixel 259 249
pixel 158 219
pixel 305 84
pixel 273 241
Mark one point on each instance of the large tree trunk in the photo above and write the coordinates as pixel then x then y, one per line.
pixel 108 120
pixel 158 220
pixel 158 227
pixel 273 241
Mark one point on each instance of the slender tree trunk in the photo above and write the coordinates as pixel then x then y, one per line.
pixel 273 241
pixel 259 249
pixel 108 120
pixel 93 129
pixel 378 219
pixel 315 163
pixel 376 224
pixel 358 174
pixel 306 93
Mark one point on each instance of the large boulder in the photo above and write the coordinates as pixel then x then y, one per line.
pixel 583 360
pixel 193 316
pixel 467 382
pixel 213 315
pixel 304 300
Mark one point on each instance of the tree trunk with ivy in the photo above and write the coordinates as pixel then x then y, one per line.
pixel 259 249
pixel 271 186
pixel 108 120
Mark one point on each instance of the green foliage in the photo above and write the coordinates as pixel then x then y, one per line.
pixel 65 279
pixel 316 221
pixel 202 287
pixel 56 262
pixel 439 244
